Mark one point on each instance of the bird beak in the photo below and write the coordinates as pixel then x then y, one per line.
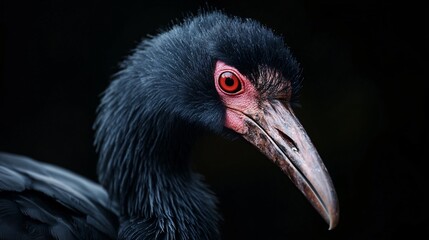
pixel 275 131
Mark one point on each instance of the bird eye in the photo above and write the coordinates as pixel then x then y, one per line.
pixel 229 82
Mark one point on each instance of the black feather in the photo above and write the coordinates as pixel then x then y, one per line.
pixel 43 201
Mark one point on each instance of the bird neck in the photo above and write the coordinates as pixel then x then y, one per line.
pixel 158 194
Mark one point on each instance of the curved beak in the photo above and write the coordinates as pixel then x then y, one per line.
pixel 275 131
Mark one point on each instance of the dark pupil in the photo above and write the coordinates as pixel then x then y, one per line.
pixel 229 81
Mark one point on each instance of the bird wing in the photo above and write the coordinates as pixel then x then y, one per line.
pixel 42 201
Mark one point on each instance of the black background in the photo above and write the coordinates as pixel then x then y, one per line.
pixel 364 104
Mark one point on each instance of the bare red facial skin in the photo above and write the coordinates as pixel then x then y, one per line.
pixel 235 102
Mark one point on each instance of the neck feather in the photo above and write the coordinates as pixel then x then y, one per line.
pixel 144 165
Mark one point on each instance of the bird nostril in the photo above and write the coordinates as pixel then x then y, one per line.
pixel 291 143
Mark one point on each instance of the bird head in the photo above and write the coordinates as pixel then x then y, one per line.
pixel 220 73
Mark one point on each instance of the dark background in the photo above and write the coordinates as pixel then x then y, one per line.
pixel 364 104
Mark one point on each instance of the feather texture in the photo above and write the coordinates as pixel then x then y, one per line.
pixel 41 201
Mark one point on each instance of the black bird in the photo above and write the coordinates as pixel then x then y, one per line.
pixel 211 72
